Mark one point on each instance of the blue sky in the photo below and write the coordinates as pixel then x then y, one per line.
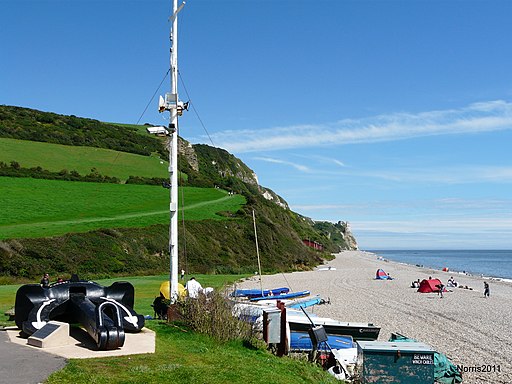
pixel 393 115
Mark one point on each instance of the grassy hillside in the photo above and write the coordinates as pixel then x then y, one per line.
pixel 30 124
pixel 56 157
pixel 41 208
pixel 205 245
pixel 107 229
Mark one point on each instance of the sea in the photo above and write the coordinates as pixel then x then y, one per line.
pixel 488 263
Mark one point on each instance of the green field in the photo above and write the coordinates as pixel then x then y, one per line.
pixel 56 157
pixel 41 208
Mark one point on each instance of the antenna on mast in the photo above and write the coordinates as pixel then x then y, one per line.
pixel 175 107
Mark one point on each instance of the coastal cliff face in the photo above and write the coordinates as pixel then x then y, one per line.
pixel 205 159
pixel 274 197
pixel 339 234
pixel 218 164
pixel 186 150
pixel 347 235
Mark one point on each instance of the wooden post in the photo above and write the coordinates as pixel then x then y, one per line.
pixel 283 345
pixel 265 327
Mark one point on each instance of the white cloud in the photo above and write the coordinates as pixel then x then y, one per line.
pixel 337 162
pixel 299 167
pixel 462 174
pixel 475 118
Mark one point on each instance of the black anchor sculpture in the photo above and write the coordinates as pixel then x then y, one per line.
pixel 104 312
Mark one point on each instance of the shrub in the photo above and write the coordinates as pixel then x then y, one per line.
pixel 212 315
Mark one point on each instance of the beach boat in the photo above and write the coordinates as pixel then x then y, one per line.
pixel 299 322
pixel 283 296
pixel 251 293
pixel 305 302
pixel 301 342
pixel 295 303
pixel 250 312
pixel 255 295
pixel 253 311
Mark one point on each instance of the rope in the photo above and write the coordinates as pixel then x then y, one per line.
pixel 285 279
pixel 152 97
pixel 195 110
pixel 221 160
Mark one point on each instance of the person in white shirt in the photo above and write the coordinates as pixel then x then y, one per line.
pixel 193 288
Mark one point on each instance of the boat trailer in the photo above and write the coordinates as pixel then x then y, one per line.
pixel 106 313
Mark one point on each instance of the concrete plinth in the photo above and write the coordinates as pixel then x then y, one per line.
pixel 52 334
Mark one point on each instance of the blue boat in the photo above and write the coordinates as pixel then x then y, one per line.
pixel 291 295
pixel 257 292
pixel 301 342
pixel 306 302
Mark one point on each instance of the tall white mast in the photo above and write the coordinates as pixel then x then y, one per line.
pixel 175 107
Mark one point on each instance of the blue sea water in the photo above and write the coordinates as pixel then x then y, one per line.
pixel 495 263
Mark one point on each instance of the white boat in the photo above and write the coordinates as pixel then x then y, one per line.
pixel 298 321
pixel 253 311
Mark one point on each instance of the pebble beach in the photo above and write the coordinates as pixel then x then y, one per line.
pixel 473 331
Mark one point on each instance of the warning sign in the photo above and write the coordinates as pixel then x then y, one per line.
pixel 422 359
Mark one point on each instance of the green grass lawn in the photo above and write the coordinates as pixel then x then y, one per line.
pixel 185 357
pixel 41 208
pixel 181 356
pixel 56 157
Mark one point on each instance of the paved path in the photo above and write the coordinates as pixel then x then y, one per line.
pixel 22 365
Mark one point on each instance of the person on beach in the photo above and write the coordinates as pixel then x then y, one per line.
pixel 45 281
pixel 486 289
pixel 441 288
